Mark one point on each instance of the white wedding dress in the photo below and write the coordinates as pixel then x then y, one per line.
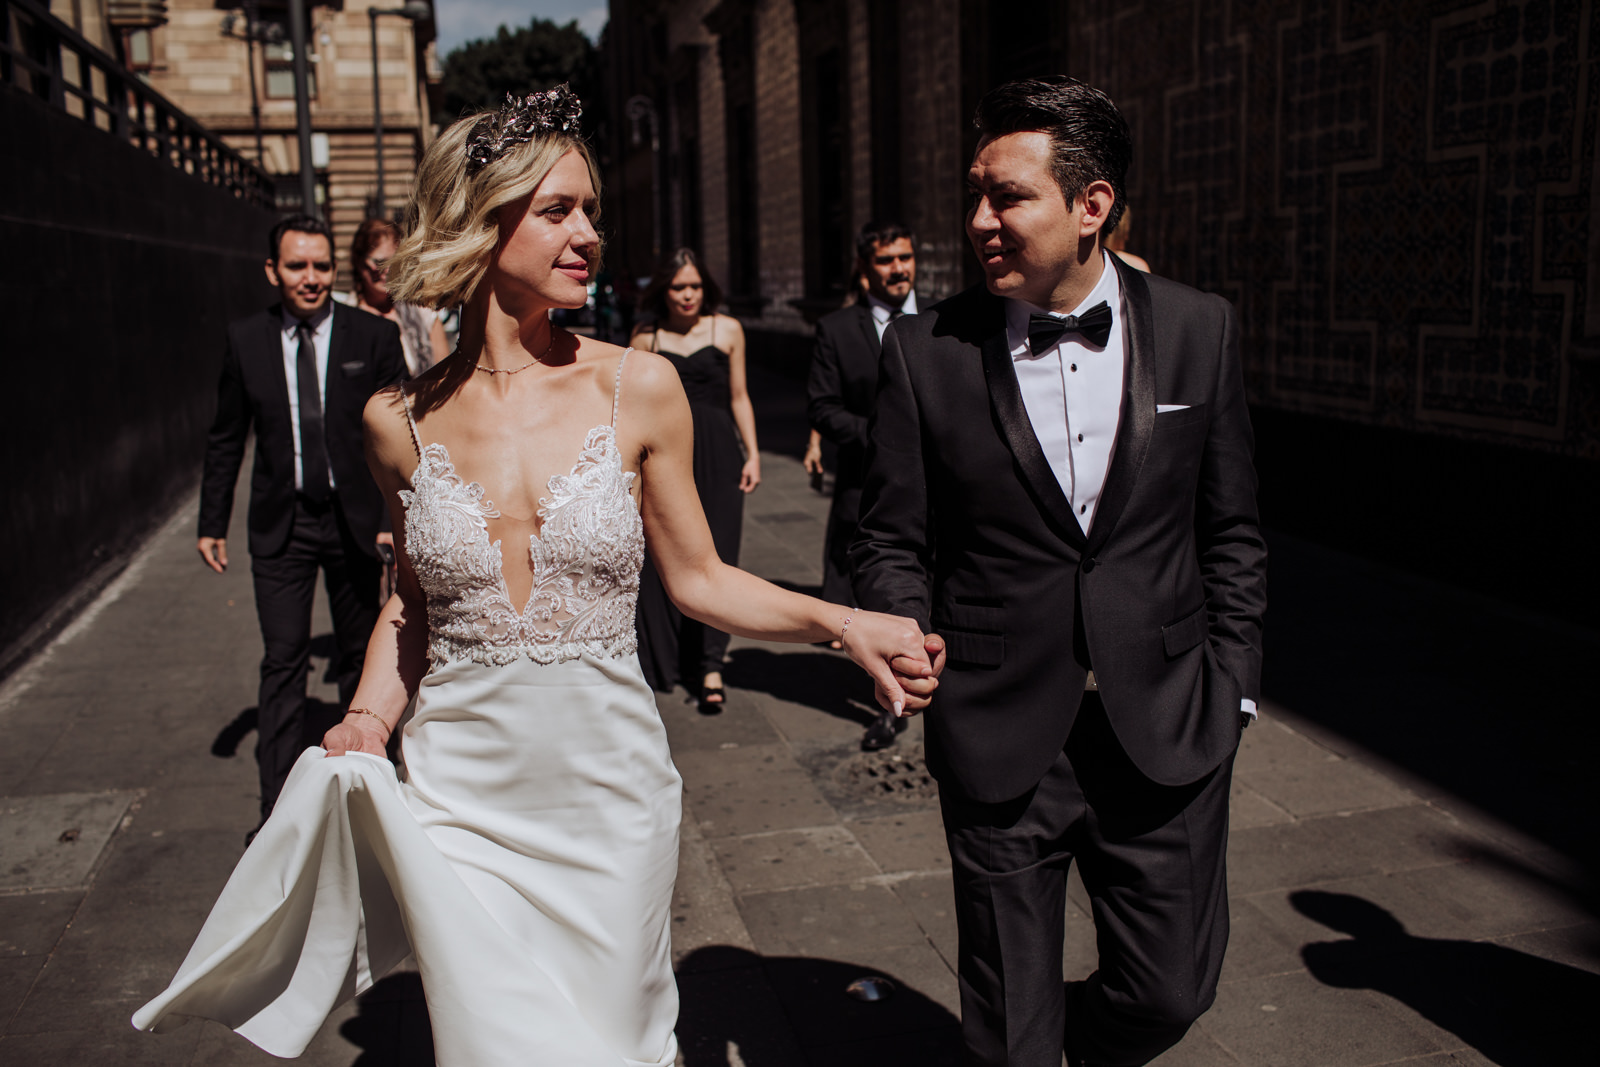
pixel 528 859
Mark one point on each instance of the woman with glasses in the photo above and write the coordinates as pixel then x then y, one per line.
pixel 421 333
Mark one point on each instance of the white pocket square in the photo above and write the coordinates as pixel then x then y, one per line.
pixel 1162 408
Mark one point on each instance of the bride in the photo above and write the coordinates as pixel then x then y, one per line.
pixel 528 859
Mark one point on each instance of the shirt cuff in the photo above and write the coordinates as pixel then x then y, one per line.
pixel 1248 707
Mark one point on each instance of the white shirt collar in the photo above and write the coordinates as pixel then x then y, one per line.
pixel 1108 288
pixel 319 321
pixel 883 311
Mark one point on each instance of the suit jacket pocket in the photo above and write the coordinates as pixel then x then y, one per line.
pixel 1179 637
pixel 974 634
pixel 354 368
pixel 1171 420
pixel 974 650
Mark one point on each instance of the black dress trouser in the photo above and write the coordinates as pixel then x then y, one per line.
pixel 1152 859
pixel 285 586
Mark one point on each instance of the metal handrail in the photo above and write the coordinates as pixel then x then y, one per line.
pixel 44 57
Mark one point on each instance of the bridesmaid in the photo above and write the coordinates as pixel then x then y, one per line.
pixel 708 351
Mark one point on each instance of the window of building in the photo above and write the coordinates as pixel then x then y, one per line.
pixel 137 44
pixel 279 57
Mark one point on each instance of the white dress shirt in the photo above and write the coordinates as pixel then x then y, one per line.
pixel 883 313
pixel 1073 395
pixel 321 338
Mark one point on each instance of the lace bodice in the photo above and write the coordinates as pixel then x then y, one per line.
pixel 586 559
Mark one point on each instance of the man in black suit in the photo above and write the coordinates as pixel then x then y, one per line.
pixel 844 381
pixel 1060 484
pixel 300 374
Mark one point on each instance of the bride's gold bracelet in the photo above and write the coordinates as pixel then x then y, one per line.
pixel 387 729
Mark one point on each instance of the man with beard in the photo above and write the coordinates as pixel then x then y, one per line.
pixel 843 384
pixel 300 374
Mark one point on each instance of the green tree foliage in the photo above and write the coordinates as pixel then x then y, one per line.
pixel 479 74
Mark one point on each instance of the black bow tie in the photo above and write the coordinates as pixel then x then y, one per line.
pixel 1094 325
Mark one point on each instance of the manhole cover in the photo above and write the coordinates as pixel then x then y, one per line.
pixel 899 773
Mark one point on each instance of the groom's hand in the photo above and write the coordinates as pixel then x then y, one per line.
pixel 919 678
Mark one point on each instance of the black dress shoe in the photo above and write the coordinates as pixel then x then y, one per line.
pixel 882 732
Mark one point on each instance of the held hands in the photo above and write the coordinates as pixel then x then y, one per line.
pixel 903 662
pixel 358 732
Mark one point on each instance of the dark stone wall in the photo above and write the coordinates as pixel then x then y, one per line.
pixel 1399 197
pixel 120 273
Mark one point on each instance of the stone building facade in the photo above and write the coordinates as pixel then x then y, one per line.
pixel 1396 195
pixel 203 70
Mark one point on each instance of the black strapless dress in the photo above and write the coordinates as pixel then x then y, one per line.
pixel 672 648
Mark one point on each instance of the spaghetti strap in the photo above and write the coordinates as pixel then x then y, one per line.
pixel 616 394
pixel 416 442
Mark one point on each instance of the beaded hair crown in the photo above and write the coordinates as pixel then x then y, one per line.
pixel 520 120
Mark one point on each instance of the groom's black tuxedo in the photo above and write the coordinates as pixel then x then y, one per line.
pixel 293 537
pixel 839 398
pixel 965 528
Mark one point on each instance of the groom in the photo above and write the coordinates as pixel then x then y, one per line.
pixel 1060 484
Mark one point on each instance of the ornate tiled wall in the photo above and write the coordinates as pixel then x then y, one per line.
pixel 1397 195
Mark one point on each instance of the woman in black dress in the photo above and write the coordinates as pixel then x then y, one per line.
pixel 708 351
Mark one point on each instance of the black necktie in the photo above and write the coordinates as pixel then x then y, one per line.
pixel 313 449
pixel 895 313
pixel 1094 325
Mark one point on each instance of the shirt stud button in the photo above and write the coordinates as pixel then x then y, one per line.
pixel 1074 366
pixel 1082 508
pixel 1080 437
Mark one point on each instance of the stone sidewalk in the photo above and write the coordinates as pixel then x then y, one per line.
pixel 1378 917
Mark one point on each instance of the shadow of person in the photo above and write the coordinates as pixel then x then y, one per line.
pixel 1518 1010
pixel 391 1027
pixel 817 679
pixel 785 1011
pixel 226 743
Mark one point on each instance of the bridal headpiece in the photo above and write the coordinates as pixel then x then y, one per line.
pixel 520 120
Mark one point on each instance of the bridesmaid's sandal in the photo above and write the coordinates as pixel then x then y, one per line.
pixel 713 698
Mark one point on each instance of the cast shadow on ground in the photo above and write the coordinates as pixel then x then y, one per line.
pixel 1486 701
pixel 816 678
pixel 320 717
pixel 1516 1009
pixel 391 1027
pixel 785 1011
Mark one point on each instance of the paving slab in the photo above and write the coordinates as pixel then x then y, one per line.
pixel 1293 1020
pixel 792 859
pixel 53 841
pixel 31 923
pixel 913 841
pixel 750 789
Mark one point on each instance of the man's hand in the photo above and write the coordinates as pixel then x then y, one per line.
pixel 214 550
pixel 813 457
pixel 385 539
pixel 915 677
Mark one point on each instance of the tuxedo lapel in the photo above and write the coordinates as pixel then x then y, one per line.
pixel 1138 407
pixel 1006 397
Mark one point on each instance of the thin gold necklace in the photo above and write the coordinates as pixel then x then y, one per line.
pixel 491 371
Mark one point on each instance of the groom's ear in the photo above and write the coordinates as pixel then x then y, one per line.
pixel 1094 207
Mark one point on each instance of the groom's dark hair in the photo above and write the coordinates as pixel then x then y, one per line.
pixel 1089 139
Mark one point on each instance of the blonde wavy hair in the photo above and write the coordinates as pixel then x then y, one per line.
pixel 455 224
